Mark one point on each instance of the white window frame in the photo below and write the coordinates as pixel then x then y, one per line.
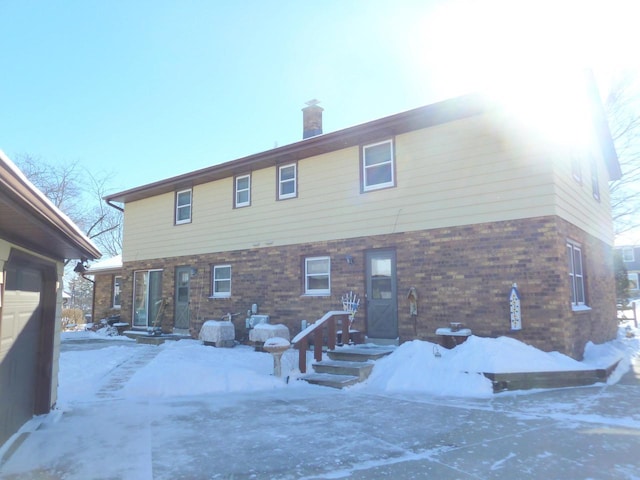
pixel 294 181
pixel 238 191
pixel 625 254
pixel 576 276
pixel 214 281
pixel 595 181
pixel 366 168
pixel 117 291
pixel 307 275
pixel 188 206
pixel 576 167
pixel 634 278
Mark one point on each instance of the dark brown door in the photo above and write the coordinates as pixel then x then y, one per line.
pixel 183 276
pixel 382 296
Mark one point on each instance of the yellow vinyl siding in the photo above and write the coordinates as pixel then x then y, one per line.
pixel 463 172
pixel 575 201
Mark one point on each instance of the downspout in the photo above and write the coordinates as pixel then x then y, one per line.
pixel 114 205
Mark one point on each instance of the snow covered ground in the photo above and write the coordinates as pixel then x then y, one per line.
pixel 185 410
pixel 189 368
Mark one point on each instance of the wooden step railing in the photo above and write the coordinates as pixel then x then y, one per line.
pixel 328 323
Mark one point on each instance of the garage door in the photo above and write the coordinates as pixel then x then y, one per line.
pixel 20 350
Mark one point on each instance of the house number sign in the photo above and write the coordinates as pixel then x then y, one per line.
pixel 514 308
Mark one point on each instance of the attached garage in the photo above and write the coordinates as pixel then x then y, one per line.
pixel 35 240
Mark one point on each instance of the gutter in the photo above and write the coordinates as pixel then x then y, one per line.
pixel 108 200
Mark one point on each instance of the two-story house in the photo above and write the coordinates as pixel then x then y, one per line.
pixel 631 259
pixel 459 200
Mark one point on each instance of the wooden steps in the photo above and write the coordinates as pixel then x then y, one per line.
pixel 347 365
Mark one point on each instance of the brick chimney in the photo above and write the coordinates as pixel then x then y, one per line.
pixel 312 119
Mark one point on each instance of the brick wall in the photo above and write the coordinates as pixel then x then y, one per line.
pixel 103 297
pixel 461 274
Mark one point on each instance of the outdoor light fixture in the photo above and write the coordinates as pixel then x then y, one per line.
pixel 80 268
pixel 349 259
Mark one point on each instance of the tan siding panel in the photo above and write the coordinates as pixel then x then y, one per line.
pixel 575 201
pixel 459 173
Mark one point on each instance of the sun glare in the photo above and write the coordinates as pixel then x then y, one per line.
pixel 530 55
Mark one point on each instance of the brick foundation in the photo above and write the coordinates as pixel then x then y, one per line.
pixel 461 274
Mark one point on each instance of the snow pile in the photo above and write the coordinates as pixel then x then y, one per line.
pixel 420 366
pixel 621 350
pixel 415 367
pixel 508 355
pixel 189 368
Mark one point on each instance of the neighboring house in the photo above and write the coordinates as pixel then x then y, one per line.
pixel 460 200
pixel 107 276
pixel 631 259
pixel 35 240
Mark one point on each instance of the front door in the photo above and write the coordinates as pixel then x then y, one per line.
pixel 382 296
pixel 147 298
pixel 181 315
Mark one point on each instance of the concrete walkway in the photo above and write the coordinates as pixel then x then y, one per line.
pixel 578 433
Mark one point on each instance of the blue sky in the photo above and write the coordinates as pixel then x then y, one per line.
pixel 149 89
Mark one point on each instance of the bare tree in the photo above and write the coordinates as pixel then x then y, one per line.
pixel 78 193
pixel 623 113
pixel 106 228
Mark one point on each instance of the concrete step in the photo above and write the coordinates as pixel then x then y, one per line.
pixel 359 353
pixel 338 367
pixel 330 380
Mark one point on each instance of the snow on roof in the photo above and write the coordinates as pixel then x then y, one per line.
pixel 112 263
pixel 628 239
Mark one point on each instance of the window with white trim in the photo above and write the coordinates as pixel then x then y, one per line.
pixel 221 281
pixel 633 281
pixel 243 191
pixel 576 275
pixel 628 254
pixel 378 166
pixel 183 206
pixel 117 282
pixel 287 181
pixel 317 275
pixel 576 170
pixel 595 183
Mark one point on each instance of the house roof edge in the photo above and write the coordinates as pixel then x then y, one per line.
pixel 417 118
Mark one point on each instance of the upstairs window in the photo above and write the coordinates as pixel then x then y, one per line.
pixel 576 170
pixel 576 277
pixel 317 274
pixel 287 181
pixel 378 166
pixel 243 191
pixel 595 184
pixel 183 206
pixel 222 281
pixel 628 254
